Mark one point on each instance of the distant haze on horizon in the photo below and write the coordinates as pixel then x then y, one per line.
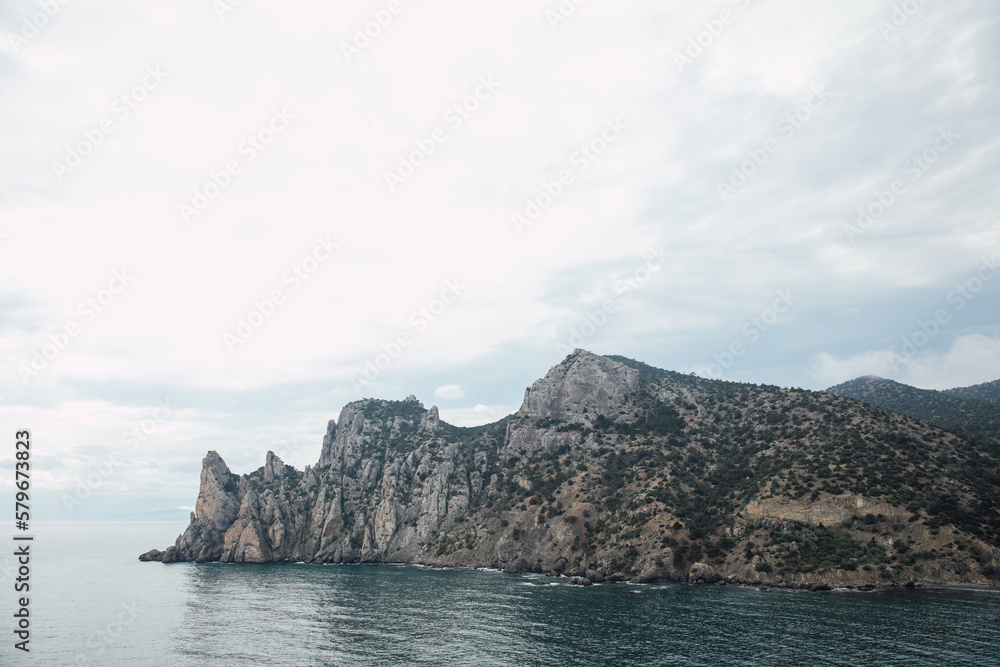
pixel 221 222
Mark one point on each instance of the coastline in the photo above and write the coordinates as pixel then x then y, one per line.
pixel 732 580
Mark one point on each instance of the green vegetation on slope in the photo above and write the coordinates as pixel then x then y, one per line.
pixel 950 410
pixel 988 392
pixel 725 444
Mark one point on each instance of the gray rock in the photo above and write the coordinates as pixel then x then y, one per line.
pixel 701 573
pixel 584 380
pixel 368 500
pixel 652 575
pixel 517 567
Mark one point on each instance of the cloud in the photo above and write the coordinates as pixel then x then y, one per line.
pixel 371 309
pixel 971 359
pixel 832 370
pixel 450 392
pixel 477 415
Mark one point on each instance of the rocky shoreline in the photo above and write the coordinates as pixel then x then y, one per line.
pixel 704 577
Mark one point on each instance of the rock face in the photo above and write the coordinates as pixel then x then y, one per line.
pixel 703 574
pixel 829 511
pixel 217 508
pixel 611 471
pixel 591 382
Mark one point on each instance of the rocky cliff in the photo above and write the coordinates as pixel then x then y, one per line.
pixel 613 470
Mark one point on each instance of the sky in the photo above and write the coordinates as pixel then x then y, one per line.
pixel 221 221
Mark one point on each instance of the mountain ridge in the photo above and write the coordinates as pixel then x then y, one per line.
pixel 956 410
pixel 987 391
pixel 613 470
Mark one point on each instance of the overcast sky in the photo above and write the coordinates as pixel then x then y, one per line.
pixel 253 213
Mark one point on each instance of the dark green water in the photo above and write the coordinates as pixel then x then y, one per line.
pixel 97 605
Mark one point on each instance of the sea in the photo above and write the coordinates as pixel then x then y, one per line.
pixel 93 603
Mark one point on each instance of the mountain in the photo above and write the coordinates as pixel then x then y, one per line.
pixel 955 410
pixel 613 470
pixel 988 392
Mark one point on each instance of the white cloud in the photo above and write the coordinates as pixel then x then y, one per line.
pixel 477 415
pixel 655 185
pixel 832 370
pixel 450 392
pixel 971 359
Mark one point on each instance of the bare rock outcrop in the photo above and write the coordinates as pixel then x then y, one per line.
pixel 702 573
pixel 828 510
pixel 584 380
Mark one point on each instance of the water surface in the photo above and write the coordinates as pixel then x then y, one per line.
pixel 94 603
